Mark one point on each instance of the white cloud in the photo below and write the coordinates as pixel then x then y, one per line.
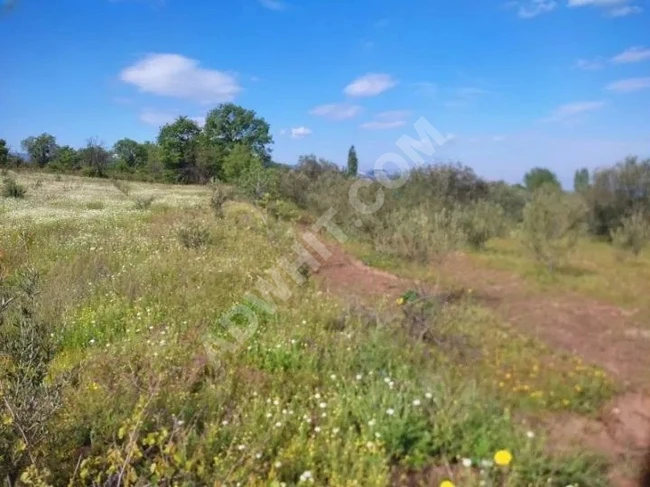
pixel 272 4
pixel 571 110
pixel 371 84
pixel 533 8
pixel 336 111
pixel 629 85
pixel 379 125
pixel 632 55
pixel 387 120
pixel 589 65
pixel 300 132
pixel 625 10
pixel 180 77
pixel 158 119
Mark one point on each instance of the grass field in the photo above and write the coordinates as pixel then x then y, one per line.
pixel 119 297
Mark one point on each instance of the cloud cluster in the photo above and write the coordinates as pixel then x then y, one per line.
pixel 387 120
pixel 181 77
pixel 371 84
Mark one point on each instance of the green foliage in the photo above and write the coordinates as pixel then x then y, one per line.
pixel 540 176
pixel 634 233
pixel 178 143
pixel 130 152
pixel 11 189
pixel 482 221
pixel 353 162
pixel 239 163
pixel 581 180
pixel 4 153
pixel 282 210
pixel 94 158
pixel 229 125
pixel 552 224
pixel 41 149
pixel 66 159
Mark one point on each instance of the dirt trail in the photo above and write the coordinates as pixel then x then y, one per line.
pixel 601 334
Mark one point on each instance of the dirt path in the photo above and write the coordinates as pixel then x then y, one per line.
pixel 601 334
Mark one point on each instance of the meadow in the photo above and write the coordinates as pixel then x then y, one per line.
pixel 114 294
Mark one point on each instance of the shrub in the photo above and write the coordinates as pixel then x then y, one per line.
pixel 482 221
pixel 194 236
pixel 122 186
pixel 220 195
pixel 283 210
pixel 143 202
pixel 552 224
pixel 421 234
pixel 11 189
pixel 633 234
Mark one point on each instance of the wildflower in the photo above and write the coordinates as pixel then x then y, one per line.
pixel 317 429
pixel 390 411
pixel 371 423
pixel 322 405
pixel 324 415
pixel 224 423
pixel 447 483
pixel 92 341
pixel 400 301
pixel 467 462
pixel 278 424
pixel 391 384
pixel 359 377
pixel 306 476
pixel 258 455
pixel 268 415
pixel 530 435
pixel 277 464
pixel 333 376
pixel 377 434
pixel 276 402
pixel 317 395
pixel 503 458
pixel 416 402
pixel 335 430
pixel 386 380
pixel 241 447
pixel 304 322
pixel 428 395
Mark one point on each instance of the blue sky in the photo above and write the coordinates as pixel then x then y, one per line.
pixel 514 84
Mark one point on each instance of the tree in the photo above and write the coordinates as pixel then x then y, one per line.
pixel 353 162
pixel 240 161
pixel 95 157
pixel 4 153
pixel 552 223
pixel 581 180
pixel 540 176
pixel 229 125
pixel 41 149
pixel 130 152
pixel 67 158
pixel 178 143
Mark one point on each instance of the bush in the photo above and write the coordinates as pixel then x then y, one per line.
pixel 283 210
pixel 143 202
pixel 194 236
pixel 482 221
pixel 552 224
pixel 122 186
pixel 422 233
pixel 11 189
pixel 220 195
pixel 633 234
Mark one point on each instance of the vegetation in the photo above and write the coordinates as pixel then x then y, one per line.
pixel 11 189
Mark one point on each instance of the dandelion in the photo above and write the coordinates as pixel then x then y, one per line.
pixel 467 462
pixel 390 411
pixel 416 402
pixel 503 458
pixel 447 483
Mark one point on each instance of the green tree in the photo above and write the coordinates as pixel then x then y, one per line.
pixel 581 180
pixel 240 162
pixel 353 162
pixel 4 153
pixel 41 149
pixel 540 176
pixel 178 142
pixel 67 158
pixel 95 158
pixel 229 125
pixel 130 153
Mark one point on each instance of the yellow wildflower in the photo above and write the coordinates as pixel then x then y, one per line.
pixel 400 301
pixel 503 458
pixel 447 483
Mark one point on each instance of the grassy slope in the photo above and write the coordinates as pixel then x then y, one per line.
pixel 318 388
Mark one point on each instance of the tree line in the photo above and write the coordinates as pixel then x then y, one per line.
pixel 235 146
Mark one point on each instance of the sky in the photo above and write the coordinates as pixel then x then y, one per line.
pixel 512 85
